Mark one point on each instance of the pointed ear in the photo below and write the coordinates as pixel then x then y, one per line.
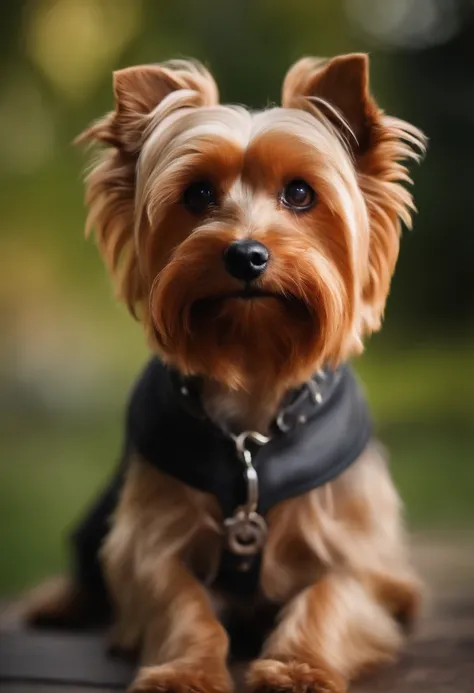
pixel 110 185
pixel 139 90
pixel 340 87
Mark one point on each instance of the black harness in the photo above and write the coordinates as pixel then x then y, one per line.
pixel 320 430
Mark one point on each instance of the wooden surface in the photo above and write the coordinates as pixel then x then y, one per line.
pixel 438 659
pixel 63 659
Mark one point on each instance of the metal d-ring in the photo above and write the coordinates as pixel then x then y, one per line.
pixel 246 533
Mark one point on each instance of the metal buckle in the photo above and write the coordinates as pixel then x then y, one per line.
pixel 241 440
pixel 315 393
pixel 246 529
pixel 282 426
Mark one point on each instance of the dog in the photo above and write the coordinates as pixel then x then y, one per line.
pixel 257 250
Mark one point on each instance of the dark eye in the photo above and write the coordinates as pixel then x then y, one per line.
pixel 298 195
pixel 199 196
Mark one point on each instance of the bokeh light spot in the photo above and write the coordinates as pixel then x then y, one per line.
pixel 74 42
pixel 406 24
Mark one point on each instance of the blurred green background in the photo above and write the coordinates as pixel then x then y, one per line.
pixel 68 353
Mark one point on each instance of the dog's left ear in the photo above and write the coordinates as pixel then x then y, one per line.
pixel 338 89
pixel 143 94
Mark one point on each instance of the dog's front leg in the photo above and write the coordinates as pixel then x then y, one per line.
pixel 329 634
pixel 185 647
pixel 160 606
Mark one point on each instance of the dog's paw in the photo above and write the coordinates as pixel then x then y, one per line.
pixel 60 603
pixel 272 676
pixel 182 678
pixel 53 603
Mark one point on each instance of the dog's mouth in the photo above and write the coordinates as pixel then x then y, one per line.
pixel 247 311
pixel 248 294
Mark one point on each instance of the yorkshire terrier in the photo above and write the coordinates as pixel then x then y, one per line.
pixel 257 249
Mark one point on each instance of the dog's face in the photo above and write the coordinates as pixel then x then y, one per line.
pixel 252 244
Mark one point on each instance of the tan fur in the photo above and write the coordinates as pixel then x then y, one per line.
pixel 342 580
pixel 379 143
pixel 335 559
pixel 345 248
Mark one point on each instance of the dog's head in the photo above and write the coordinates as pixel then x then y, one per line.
pixel 252 242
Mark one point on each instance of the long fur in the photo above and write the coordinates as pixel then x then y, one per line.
pixel 335 559
pixel 146 239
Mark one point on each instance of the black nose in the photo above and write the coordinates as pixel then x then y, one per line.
pixel 246 260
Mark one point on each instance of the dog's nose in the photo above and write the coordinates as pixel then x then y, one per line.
pixel 246 260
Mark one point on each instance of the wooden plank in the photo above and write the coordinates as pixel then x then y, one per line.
pixel 440 658
pixel 17 687
pixel 82 660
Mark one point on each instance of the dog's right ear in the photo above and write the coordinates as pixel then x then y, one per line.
pixel 143 95
pixel 139 90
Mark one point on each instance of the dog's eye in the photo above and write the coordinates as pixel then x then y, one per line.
pixel 199 196
pixel 298 195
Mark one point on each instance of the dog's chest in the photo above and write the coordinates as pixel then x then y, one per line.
pixel 209 440
pixel 286 563
pixel 238 410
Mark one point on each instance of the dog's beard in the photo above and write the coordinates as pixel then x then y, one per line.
pixel 282 328
pixel 242 339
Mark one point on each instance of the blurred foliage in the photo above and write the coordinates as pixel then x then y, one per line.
pixel 68 353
